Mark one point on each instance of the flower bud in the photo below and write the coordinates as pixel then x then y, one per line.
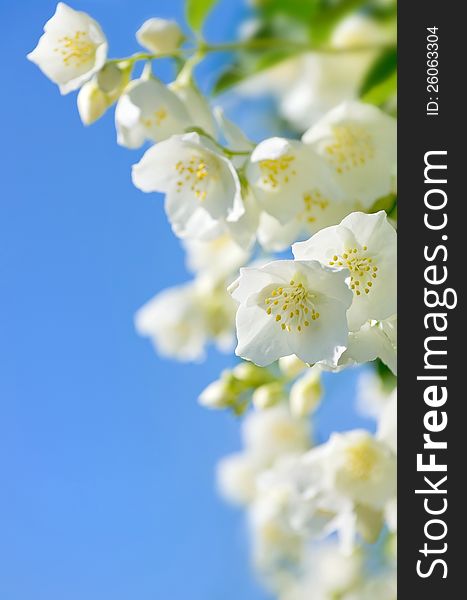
pixel 217 394
pixel 291 366
pixel 92 102
pixel 306 393
pixel 98 94
pixel 268 395
pixel 160 36
pixel 251 375
pixel 113 77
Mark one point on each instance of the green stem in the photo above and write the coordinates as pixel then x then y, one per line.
pixel 229 153
pixel 204 48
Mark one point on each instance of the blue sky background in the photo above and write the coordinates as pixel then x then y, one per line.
pixel 106 460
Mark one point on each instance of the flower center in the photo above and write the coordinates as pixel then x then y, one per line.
pixel 352 147
pixel 77 50
pixel 277 171
pixel 361 459
pixel 156 118
pixel 292 306
pixel 194 173
pixel 314 202
pixel 363 271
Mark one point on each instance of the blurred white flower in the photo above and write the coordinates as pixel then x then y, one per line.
pixel 219 258
pixel 72 49
pixel 382 587
pixel 173 320
pixel 366 246
pixel 274 542
pixel 271 434
pixel 281 174
pixel 267 436
pixel 236 478
pixel 160 36
pixel 148 110
pixel 181 321
pixel 307 86
pixel 202 187
pixel 291 307
pixel 341 486
pixel 359 142
pixel 317 212
pixel 326 574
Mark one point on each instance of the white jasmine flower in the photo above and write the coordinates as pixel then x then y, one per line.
pixel 202 186
pixel 326 574
pixel 359 142
pixel 160 36
pixel 375 339
pixel 274 541
pixel 316 213
pixel 306 393
pixel 244 229
pixel 148 110
pixel 72 49
pixel 287 178
pixel 291 307
pixel 181 321
pixel 361 468
pixel 341 486
pixel 218 258
pixel 366 246
pixel 199 111
pixel 233 135
pixel 173 320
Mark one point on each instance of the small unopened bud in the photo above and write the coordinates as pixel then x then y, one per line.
pixel 306 393
pixel 113 77
pixel 98 94
pixel 218 394
pixel 92 102
pixel 251 375
pixel 160 35
pixel 291 366
pixel 268 395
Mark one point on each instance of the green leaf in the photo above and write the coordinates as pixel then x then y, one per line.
pixel 388 379
pixel 382 69
pixel 387 203
pixel 380 93
pixel 197 11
